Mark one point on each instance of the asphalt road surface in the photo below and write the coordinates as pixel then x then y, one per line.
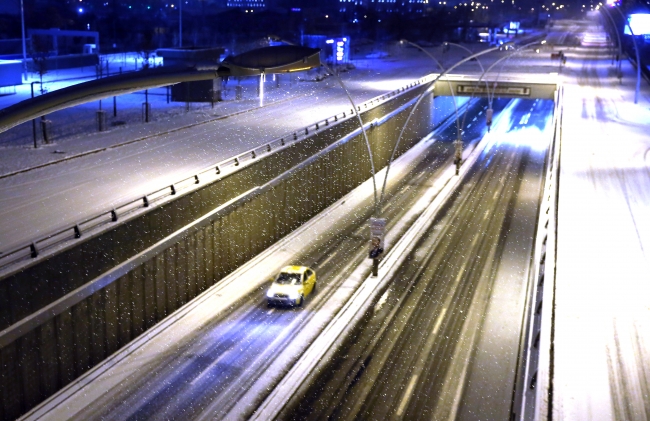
pixel 443 340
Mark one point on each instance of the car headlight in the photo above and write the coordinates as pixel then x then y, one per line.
pixel 294 294
pixel 269 293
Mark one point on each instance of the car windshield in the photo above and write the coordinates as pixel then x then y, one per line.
pixel 288 278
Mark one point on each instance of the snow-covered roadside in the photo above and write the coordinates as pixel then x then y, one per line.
pixel 602 322
pixel 74 131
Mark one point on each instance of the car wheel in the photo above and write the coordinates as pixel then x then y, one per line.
pixel 269 304
pixel 314 288
pixel 301 300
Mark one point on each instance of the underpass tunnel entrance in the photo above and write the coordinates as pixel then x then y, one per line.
pixel 544 87
pixel 493 94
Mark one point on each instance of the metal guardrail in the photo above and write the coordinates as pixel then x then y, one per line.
pixel 533 400
pixel 104 221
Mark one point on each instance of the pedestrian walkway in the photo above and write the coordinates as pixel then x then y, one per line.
pixel 601 349
pixel 74 131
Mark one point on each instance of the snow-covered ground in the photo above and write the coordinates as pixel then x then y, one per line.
pixel 602 311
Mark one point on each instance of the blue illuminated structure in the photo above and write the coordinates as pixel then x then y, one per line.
pixel 340 49
pixel 639 24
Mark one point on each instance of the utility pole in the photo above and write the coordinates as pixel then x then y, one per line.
pixel 22 21
pixel 180 23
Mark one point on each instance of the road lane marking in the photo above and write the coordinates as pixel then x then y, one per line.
pixel 270 311
pixel 439 321
pixel 209 368
pixel 326 261
pixel 407 395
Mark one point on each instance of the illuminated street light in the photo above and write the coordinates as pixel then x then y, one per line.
pixel 270 60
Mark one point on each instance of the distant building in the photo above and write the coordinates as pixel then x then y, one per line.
pixel 382 6
pixel 411 7
pixel 245 4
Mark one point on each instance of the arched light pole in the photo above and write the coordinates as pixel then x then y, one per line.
pixel 453 96
pixel 503 60
pixel 458 143
pixel 417 103
pixel 355 110
pixel 490 111
pixel 467 50
pixel 638 58
pixel 618 38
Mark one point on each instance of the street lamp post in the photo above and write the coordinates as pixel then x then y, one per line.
pixel 502 60
pixel 417 103
pixel 618 38
pixel 458 143
pixel 426 91
pixel 638 58
pixel 34 120
pixel 22 22
pixel 490 111
pixel 355 110
pixel 453 96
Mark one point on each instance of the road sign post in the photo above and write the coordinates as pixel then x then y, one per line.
pixel 488 114
pixel 377 231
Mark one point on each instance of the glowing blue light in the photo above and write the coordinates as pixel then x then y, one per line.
pixel 81 10
pixel 329 41
pixel 640 24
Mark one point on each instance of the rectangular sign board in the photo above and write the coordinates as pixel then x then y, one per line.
pixel 377 229
pixel 498 90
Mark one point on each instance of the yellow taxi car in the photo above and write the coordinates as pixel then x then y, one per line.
pixel 291 286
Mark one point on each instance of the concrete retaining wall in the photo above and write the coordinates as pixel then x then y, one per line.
pixel 79 326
